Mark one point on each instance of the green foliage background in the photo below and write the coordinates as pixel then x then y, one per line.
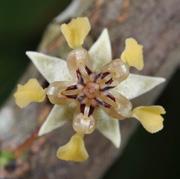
pixel 21 26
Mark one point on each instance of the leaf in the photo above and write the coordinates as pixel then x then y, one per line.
pixel 108 126
pixel 52 68
pixel 100 52
pixel 136 85
pixel 58 116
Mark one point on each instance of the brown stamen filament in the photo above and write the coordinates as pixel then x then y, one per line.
pixel 109 81
pixel 104 74
pixel 71 87
pixel 111 97
pixel 88 70
pixel 107 88
pixel 71 96
pixel 102 103
pixel 80 78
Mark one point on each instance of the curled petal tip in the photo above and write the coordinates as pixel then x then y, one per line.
pixel 76 31
pixel 133 54
pixel 74 150
pixel 150 117
pixel 28 93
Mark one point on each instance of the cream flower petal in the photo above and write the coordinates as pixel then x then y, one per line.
pixel 108 126
pixel 57 118
pixel 100 52
pixel 52 68
pixel 136 85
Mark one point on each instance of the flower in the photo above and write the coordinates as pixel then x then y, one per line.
pixel 93 91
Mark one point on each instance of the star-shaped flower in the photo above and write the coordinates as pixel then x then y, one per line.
pixel 91 90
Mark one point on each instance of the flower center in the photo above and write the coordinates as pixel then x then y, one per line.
pixel 91 90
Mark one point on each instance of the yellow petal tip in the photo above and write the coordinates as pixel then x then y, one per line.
pixel 133 54
pixel 76 31
pixel 28 93
pixel 74 150
pixel 150 117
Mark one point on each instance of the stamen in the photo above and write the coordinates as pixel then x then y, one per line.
pixel 118 71
pixel 88 70
pixel 79 76
pixel 91 110
pixel 71 87
pixel 111 97
pixel 70 92
pixel 86 110
pixel 97 76
pixel 109 82
pixel 107 88
pixel 104 74
pixel 82 108
pixel 102 103
pixel 84 73
pixel 71 96
pixel 107 99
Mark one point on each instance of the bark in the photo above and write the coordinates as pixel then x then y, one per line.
pixel 154 23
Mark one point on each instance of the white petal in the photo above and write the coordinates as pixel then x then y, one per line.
pixel 100 52
pixel 108 126
pixel 136 85
pixel 52 68
pixel 58 116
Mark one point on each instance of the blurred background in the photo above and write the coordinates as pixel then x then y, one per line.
pixel 146 156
